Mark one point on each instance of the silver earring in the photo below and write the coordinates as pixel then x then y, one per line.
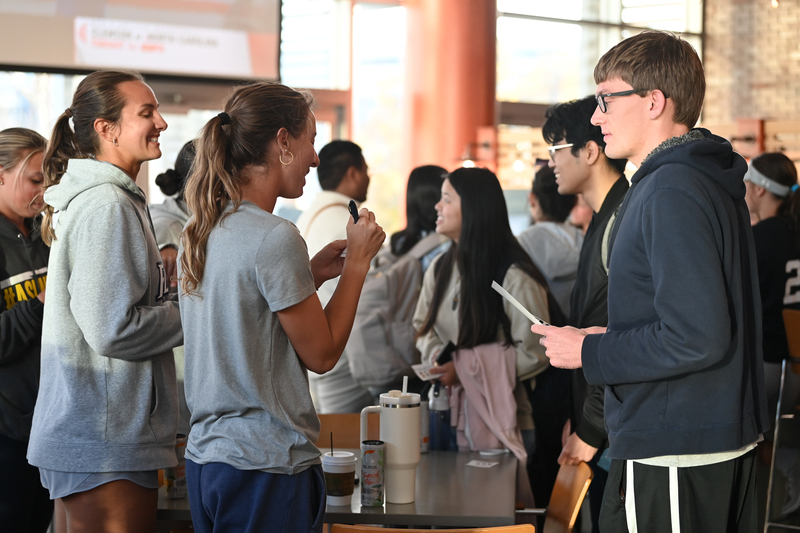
pixel 114 140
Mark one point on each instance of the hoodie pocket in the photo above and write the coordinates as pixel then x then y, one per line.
pixel 163 415
pixel 613 405
pixel 131 402
pixel 153 396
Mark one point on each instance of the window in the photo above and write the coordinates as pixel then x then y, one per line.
pixel 315 44
pixel 316 54
pixel 546 51
pixel 35 101
pixel 379 41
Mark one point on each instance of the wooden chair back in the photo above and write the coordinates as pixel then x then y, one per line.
pixel 346 430
pixel 523 528
pixel 791 320
pixel 571 486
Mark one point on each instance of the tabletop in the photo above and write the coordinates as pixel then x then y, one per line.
pixel 448 494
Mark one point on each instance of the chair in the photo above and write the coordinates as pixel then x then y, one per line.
pixel 791 321
pixel 785 443
pixel 565 500
pixel 346 430
pixel 524 528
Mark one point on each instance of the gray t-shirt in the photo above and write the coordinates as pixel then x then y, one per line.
pixel 245 386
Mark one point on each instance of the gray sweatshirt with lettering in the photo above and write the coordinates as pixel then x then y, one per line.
pixel 108 399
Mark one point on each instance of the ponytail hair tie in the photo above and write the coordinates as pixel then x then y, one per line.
pixel 68 112
pixel 795 187
pixel 224 118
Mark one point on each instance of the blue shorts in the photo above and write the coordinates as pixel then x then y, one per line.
pixel 223 498
pixel 62 484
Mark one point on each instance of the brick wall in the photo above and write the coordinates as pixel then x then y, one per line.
pixel 752 60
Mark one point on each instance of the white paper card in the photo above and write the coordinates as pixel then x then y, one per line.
pixel 513 301
pixel 481 464
pixel 423 372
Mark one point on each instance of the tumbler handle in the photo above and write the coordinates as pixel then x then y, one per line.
pixel 365 417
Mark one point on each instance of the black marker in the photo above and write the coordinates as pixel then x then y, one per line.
pixel 353 210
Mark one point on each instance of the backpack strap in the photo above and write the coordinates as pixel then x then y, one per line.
pixel 437 265
pixel 308 227
pixel 426 245
pixel 607 238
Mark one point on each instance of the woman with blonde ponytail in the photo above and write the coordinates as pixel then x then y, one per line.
pixel 25 505
pixel 254 324
pixel 106 414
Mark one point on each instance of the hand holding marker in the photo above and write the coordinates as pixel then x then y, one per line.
pixel 353 211
pixel 351 206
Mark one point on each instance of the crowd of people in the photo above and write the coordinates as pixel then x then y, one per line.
pixel 659 366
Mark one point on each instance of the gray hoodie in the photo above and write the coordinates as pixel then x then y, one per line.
pixel 555 247
pixel 168 220
pixel 107 400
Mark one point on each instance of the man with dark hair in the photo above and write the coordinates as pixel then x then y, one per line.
pixel 343 176
pixel 342 168
pixel 579 159
pixel 681 358
pixel 580 164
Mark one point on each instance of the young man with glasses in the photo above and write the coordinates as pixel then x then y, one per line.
pixel 579 159
pixel 681 359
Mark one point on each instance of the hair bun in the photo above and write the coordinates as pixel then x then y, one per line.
pixel 169 182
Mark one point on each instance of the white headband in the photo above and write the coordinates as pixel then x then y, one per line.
pixel 754 176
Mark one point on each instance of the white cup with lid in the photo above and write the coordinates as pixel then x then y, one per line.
pixel 400 430
pixel 339 468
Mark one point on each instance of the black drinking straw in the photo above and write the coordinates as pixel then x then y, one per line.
pixel 331 443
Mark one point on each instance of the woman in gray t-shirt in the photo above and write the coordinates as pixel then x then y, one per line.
pixel 252 320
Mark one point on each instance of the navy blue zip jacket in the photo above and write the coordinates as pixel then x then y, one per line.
pixel 682 357
pixel 23 274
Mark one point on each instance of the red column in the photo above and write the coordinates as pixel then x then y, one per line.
pixel 450 78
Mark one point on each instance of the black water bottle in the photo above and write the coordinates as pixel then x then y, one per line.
pixel 439 407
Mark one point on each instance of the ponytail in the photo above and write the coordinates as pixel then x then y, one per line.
pixel 209 188
pixel 60 150
pixel 236 138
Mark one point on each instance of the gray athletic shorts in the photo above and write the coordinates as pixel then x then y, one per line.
pixel 61 484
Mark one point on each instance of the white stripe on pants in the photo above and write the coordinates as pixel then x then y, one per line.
pixel 630 499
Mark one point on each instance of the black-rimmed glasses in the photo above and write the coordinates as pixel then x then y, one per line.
pixel 601 98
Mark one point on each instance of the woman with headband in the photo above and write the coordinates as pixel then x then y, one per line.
pixel 25 505
pixel 774 203
pixel 106 415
